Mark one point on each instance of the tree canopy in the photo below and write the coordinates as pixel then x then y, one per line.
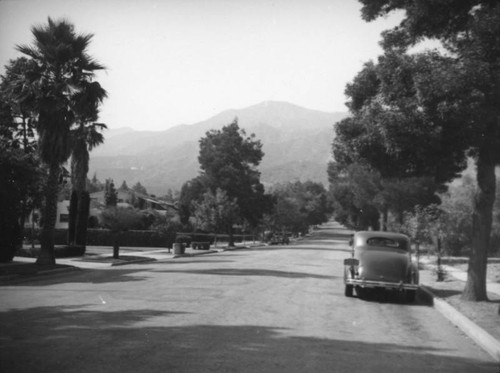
pixel 421 114
pixel 228 160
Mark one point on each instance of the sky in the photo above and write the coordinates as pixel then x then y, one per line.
pixel 171 62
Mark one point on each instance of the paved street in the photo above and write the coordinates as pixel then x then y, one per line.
pixel 270 309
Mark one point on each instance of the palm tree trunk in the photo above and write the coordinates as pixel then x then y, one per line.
pixel 73 210
pixel 79 170
pixel 47 256
pixel 82 218
pixel 475 286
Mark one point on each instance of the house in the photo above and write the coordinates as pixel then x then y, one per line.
pixel 129 198
pixel 126 198
pixel 62 218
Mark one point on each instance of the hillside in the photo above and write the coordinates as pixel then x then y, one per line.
pixel 296 142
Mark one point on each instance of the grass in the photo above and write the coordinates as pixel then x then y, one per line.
pixel 486 313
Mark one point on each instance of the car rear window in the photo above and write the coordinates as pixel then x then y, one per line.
pixel 385 242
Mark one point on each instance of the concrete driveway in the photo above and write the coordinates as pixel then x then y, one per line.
pixel 267 309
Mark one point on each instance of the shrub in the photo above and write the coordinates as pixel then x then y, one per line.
pixel 184 239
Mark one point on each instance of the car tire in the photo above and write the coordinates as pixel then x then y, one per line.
pixel 411 295
pixel 348 290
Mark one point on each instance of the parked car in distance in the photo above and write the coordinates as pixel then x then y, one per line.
pixel 279 239
pixel 380 260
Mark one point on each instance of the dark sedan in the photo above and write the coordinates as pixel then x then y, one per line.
pixel 380 260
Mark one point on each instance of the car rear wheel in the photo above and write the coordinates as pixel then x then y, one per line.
pixel 348 290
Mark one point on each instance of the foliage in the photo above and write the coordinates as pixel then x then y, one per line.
pixel 94 185
pixel 356 195
pixel 123 219
pixel 191 191
pixel 297 206
pixel 18 116
pixel 111 195
pixel 458 96
pixel 215 212
pixel 21 177
pixel 228 160
pixel 124 186
pixel 168 223
pixel 138 188
pixel 84 137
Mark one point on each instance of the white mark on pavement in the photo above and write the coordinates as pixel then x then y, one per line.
pixel 102 300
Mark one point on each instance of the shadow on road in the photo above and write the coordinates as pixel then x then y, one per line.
pixel 304 246
pixel 92 276
pixel 249 272
pixel 66 339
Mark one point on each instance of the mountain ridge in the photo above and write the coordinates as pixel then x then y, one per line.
pixel 161 160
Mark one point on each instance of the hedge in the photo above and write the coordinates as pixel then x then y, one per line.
pixel 105 237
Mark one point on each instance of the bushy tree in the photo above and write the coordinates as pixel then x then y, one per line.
pixel 356 195
pixel 298 205
pixel 168 223
pixel 124 218
pixel 21 177
pixel 17 123
pixel 215 213
pixel 228 160
pixel 192 191
pixel 455 96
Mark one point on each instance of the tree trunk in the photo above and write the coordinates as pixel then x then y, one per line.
pixel 79 170
pixel 46 256
pixel 82 218
pixel 231 237
pixel 475 287
pixel 385 219
pixel 73 211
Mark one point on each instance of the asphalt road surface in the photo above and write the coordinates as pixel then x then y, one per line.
pixel 269 309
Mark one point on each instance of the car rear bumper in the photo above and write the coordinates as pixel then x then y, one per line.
pixel 381 284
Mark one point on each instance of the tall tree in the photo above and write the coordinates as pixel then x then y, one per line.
pixel 61 61
pixel 110 194
pixel 229 160
pixel 470 31
pixel 21 176
pixel 85 137
pixel 298 206
pixel 191 191
pixel 18 119
pixel 139 188
pixel 216 212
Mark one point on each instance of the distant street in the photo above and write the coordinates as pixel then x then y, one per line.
pixel 269 309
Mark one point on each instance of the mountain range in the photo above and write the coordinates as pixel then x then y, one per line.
pixel 296 144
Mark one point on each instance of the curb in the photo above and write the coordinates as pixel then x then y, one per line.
pixel 145 260
pixel 472 330
pixel 189 255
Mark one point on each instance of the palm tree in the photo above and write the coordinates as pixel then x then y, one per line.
pixel 62 66
pixel 85 137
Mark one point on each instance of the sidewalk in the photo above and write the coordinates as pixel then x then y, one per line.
pixel 96 257
pixel 489 343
